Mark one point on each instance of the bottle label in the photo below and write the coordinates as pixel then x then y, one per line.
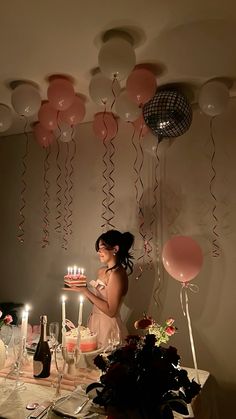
pixel 38 367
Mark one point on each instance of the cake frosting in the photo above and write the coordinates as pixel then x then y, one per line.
pixel 88 339
pixel 77 280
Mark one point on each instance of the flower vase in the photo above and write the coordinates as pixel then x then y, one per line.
pixel 2 354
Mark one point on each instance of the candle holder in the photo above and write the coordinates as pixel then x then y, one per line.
pixel 72 359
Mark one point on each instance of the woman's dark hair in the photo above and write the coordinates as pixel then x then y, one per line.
pixel 113 238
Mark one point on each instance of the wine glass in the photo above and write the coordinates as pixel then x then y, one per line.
pixel 53 334
pixel 6 332
pixel 19 353
pixel 114 338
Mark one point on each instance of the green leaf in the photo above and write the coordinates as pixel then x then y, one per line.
pixel 92 386
pixel 179 406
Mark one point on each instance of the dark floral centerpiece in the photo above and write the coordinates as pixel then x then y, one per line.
pixel 143 380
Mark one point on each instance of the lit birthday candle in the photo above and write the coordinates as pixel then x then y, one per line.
pixel 63 324
pixel 24 322
pixel 81 304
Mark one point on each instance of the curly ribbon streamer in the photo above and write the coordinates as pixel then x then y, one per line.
pixel 142 232
pixel 21 235
pixel 104 175
pixel 70 324
pixel 46 199
pixel 66 211
pixel 113 92
pixel 71 186
pixel 152 224
pixel 184 289
pixel 111 182
pixel 215 245
pixel 58 227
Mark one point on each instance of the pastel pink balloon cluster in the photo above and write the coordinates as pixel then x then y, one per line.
pixel 182 258
pixel 116 60
pixel 61 112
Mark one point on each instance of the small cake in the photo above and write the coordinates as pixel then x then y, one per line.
pixel 78 280
pixel 88 339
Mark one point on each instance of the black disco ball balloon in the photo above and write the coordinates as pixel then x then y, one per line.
pixel 168 114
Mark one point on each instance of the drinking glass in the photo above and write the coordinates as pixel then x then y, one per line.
pixel 54 333
pixel 6 333
pixel 19 356
pixel 114 338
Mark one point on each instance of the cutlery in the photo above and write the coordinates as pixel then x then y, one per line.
pixel 80 408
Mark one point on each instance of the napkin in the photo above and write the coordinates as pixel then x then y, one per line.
pixel 68 406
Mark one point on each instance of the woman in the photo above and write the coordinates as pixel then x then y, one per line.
pixel 110 287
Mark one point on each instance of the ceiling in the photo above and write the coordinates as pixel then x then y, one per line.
pixel 185 41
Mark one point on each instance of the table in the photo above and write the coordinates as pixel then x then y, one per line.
pixel 202 407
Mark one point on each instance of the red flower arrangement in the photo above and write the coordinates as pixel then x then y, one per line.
pixel 145 379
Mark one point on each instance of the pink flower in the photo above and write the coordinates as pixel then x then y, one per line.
pixel 169 321
pixel 170 330
pixel 8 319
pixel 0 313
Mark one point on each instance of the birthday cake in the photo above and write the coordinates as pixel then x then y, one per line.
pixel 77 280
pixel 88 339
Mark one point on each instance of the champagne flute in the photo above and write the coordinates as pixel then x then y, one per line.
pixel 53 334
pixel 15 370
pixel 113 339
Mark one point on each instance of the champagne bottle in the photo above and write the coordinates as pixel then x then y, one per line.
pixel 42 356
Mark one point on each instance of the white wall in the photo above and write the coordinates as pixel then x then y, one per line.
pixel 35 275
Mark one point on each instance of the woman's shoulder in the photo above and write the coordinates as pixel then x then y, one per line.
pixel 119 272
pixel 101 272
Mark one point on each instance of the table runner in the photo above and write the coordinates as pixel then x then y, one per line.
pixel 69 382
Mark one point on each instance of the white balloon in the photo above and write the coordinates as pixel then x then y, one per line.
pixel 103 90
pixel 5 117
pixel 126 109
pixel 149 144
pixel 65 132
pixel 26 100
pixel 116 58
pixel 213 98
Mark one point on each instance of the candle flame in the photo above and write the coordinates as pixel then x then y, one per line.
pixel 27 307
pixel 81 298
pixel 63 298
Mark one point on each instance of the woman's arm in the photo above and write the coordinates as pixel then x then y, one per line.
pixel 116 288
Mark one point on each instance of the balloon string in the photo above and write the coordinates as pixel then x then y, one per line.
pixel 45 241
pixel 58 228
pixel 71 186
pixel 21 235
pixel 191 334
pixel 104 175
pixel 110 176
pixel 66 212
pixel 186 285
pixel 215 245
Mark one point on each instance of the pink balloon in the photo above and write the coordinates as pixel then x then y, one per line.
pixel 140 126
pixel 61 94
pixel 182 258
pixel 141 85
pixel 48 117
pixel 43 136
pixel 75 113
pixel 104 125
